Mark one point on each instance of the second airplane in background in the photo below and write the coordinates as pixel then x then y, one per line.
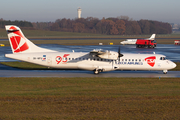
pixel 133 41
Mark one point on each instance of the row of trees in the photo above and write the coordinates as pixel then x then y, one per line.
pixel 110 26
pixel 16 22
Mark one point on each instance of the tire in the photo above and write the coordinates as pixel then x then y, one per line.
pixel 137 46
pixel 96 72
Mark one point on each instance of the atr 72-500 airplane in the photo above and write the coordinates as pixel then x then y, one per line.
pixel 96 60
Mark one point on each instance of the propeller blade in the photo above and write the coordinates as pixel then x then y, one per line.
pixel 119 53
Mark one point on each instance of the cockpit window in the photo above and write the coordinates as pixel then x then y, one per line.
pixel 162 58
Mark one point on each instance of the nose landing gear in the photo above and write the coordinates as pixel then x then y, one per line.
pixel 165 71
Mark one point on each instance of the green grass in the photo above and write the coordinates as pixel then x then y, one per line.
pixel 31 66
pixel 40 34
pixel 89 98
pixel 50 34
pixel 58 34
pixel 24 65
pixel 177 68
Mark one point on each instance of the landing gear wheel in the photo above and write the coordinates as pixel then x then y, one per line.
pixel 96 72
pixel 165 71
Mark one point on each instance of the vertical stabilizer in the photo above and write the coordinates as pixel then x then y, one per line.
pixel 19 43
pixel 152 37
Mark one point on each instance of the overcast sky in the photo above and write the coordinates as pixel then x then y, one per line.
pixel 50 10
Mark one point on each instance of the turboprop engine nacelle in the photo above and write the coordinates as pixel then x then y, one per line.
pixel 109 55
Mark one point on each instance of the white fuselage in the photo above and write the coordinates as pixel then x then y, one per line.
pixel 129 41
pixel 82 60
pixel 133 41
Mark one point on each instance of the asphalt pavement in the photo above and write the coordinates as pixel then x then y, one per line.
pixel 172 52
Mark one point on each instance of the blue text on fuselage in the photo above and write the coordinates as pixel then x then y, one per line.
pixel 130 63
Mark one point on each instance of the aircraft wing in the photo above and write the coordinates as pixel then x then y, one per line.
pixel 98 52
pixel 104 54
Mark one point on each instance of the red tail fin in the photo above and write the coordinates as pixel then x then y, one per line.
pixel 19 43
pixel 17 39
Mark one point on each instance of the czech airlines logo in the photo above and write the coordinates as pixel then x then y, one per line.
pixel 151 60
pixel 18 42
pixel 44 58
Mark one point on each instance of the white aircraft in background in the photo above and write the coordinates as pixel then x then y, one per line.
pixel 133 41
pixel 96 60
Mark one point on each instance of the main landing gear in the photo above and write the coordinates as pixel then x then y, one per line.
pixel 97 71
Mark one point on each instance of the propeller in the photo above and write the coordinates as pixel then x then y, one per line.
pixel 119 53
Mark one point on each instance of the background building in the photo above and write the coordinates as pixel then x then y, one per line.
pixel 79 12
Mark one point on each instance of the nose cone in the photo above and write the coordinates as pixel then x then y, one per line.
pixel 173 65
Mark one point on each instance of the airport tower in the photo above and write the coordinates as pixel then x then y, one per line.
pixel 79 12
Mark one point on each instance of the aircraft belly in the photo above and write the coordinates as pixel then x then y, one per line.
pixel 130 43
pixel 66 66
pixel 92 65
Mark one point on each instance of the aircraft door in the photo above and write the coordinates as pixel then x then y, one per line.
pixel 49 61
pixel 115 64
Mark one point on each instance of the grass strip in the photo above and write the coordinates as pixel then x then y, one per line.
pixel 24 65
pixel 89 98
